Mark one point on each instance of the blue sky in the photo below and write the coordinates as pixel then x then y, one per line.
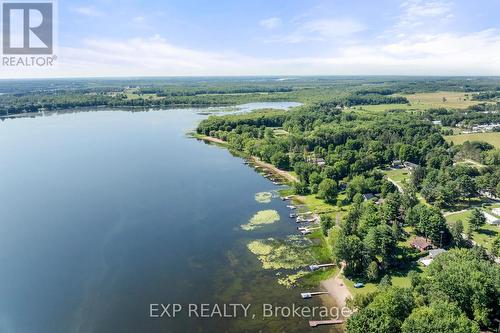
pixel 275 37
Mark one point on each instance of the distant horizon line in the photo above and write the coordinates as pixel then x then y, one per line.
pixel 250 76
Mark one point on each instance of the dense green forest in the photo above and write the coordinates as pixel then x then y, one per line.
pixel 19 96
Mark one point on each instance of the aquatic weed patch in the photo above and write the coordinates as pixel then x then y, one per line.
pixel 291 253
pixel 261 218
pixel 263 197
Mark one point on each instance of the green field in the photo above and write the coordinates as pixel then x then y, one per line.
pixel 483 236
pixel 435 100
pixel 385 107
pixel 398 175
pixel 424 101
pixel 492 138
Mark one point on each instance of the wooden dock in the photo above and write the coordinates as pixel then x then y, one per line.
pixel 314 323
pixel 316 267
pixel 311 294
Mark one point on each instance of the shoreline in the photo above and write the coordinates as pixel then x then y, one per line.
pixel 337 289
pixel 335 286
pixel 255 160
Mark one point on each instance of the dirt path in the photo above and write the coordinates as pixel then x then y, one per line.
pixel 212 139
pixel 337 289
pixel 288 176
pixel 458 211
pixel 400 189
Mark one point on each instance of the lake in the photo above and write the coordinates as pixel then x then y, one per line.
pixel 103 213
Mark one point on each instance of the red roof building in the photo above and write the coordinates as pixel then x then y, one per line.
pixel 421 244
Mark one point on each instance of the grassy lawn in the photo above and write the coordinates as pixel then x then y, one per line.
pixel 492 138
pixel 368 287
pixel 317 205
pixel 398 175
pixel 484 236
pixel 399 281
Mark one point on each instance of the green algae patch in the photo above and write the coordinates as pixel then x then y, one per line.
pixel 292 253
pixel 261 218
pixel 263 197
pixel 292 280
pixel 259 248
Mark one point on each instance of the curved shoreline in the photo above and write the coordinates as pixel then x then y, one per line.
pixel 335 286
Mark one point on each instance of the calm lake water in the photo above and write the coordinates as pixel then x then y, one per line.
pixel 103 213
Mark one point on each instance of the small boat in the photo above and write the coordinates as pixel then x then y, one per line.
pixel 293 215
pixel 291 206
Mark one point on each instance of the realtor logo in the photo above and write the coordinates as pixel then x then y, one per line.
pixel 27 28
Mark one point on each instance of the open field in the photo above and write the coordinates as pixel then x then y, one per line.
pixel 385 107
pixel 492 138
pixel 423 101
pixel 457 100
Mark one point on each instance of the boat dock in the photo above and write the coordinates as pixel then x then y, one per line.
pixel 311 294
pixel 306 231
pixel 316 267
pixel 314 323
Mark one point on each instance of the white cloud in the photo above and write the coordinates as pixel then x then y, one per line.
pixel 417 13
pixel 87 11
pixel 270 23
pixel 320 30
pixel 436 54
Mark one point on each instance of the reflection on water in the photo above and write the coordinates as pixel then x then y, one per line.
pixel 103 213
